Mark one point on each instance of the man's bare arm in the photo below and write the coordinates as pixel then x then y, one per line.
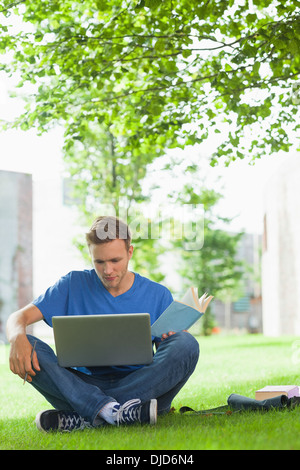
pixel 20 350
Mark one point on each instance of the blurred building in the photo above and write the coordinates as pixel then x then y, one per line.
pixel 37 227
pixel 281 251
pixel 15 244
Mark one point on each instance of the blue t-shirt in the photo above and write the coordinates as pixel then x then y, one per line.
pixel 82 293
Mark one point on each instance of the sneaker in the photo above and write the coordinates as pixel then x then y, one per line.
pixel 134 412
pixel 64 421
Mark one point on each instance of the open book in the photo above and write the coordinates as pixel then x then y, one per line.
pixel 181 315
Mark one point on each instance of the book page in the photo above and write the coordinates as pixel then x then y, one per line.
pixel 204 302
pixel 191 298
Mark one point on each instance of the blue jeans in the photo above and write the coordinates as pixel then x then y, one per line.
pixel 69 389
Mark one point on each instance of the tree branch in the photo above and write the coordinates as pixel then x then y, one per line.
pixel 11 5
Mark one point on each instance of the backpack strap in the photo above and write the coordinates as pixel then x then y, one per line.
pixel 220 410
pixel 237 403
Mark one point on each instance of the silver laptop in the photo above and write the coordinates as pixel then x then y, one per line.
pixel 103 340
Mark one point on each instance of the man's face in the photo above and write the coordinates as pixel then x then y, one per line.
pixel 110 261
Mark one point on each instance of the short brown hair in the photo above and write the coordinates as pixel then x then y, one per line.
pixel 106 229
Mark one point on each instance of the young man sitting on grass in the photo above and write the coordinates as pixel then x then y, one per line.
pixel 101 395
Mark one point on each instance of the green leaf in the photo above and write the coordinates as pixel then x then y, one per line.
pixel 186 53
pixel 256 67
pixel 153 3
pixel 160 45
pixel 251 18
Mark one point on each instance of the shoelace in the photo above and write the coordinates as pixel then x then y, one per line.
pixel 69 422
pixel 128 412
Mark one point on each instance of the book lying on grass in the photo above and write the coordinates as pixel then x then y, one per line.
pixel 271 391
pixel 181 315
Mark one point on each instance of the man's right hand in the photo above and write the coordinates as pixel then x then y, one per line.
pixel 20 351
pixel 20 358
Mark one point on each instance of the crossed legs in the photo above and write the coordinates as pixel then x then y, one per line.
pixel 71 390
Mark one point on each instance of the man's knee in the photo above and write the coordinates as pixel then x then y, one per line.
pixel 183 345
pixel 191 345
pixel 188 340
pixel 43 349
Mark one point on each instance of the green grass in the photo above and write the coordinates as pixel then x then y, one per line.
pixel 236 364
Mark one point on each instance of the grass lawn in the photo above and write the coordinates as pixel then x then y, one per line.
pixel 227 364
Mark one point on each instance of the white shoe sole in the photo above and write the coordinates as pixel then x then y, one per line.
pixel 38 421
